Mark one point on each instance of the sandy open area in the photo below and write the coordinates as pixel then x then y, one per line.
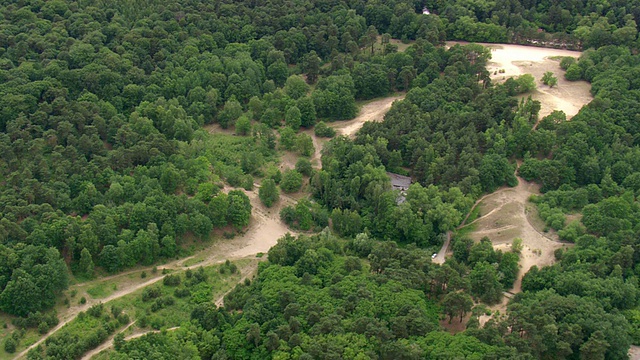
pixel 506 215
pixel 371 111
pixel 516 60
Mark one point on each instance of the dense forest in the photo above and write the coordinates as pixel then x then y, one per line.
pixel 106 164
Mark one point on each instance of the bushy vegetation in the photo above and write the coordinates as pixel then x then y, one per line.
pixel 104 165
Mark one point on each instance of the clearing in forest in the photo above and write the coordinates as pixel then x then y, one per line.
pixel 373 110
pixel 516 60
pixel 505 215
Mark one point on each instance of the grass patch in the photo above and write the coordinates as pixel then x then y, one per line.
pixel 167 306
pixel 101 290
pixel 164 309
pixel 465 230
pixel 475 214
pixel 194 261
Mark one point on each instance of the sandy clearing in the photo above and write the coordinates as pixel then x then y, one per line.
pixel 516 60
pixel 506 218
pixel 371 111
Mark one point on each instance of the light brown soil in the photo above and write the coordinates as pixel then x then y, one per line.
pixel 634 352
pixel 217 129
pixel 505 218
pixel 516 60
pixel 496 310
pixel 371 111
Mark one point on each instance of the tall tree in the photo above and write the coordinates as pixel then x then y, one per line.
pixel 268 192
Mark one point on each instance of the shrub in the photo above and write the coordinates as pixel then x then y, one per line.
pixel 291 181
pixel 151 293
pixel 303 166
pixel 171 280
pixel 323 130
pixel 182 293
pixel 10 346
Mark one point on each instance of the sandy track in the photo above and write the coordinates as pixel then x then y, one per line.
pixel 263 232
pixel 371 111
pixel 506 219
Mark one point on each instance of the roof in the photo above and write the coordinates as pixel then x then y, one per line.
pixel 399 181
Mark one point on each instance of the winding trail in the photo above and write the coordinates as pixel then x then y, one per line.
pixel 263 232
pixel 106 344
pixel 374 110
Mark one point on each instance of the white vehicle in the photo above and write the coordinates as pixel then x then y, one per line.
pixel 434 255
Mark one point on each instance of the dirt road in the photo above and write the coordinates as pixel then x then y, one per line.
pixel 506 217
pixel 263 233
pixel 371 111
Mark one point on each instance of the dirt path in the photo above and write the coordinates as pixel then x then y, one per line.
pixel 263 233
pixel 506 218
pixel 441 255
pixel 371 111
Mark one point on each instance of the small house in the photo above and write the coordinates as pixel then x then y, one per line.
pixel 399 182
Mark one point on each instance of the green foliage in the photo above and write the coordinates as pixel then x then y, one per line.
pixel 291 181
pixel 322 130
pixel 495 171
pixel 239 209
pixel 293 118
pixel 334 98
pixel 549 79
pixel 566 62
pixel 574 73
pixel 457 304
pixel 553 217
pixel 10 345
pixel 525 83
pixel 35 284
pixel 296 87
pixel 243 125
pixel 304 145
pixel 287 138
pixel 304 167
pixel 485 283
pixel 268 192
pixel 85 265
pixel 305 215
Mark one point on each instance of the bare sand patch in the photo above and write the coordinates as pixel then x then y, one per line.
pixel 516 60
pixel 217 129
pixel 371 111
pixel 506 218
